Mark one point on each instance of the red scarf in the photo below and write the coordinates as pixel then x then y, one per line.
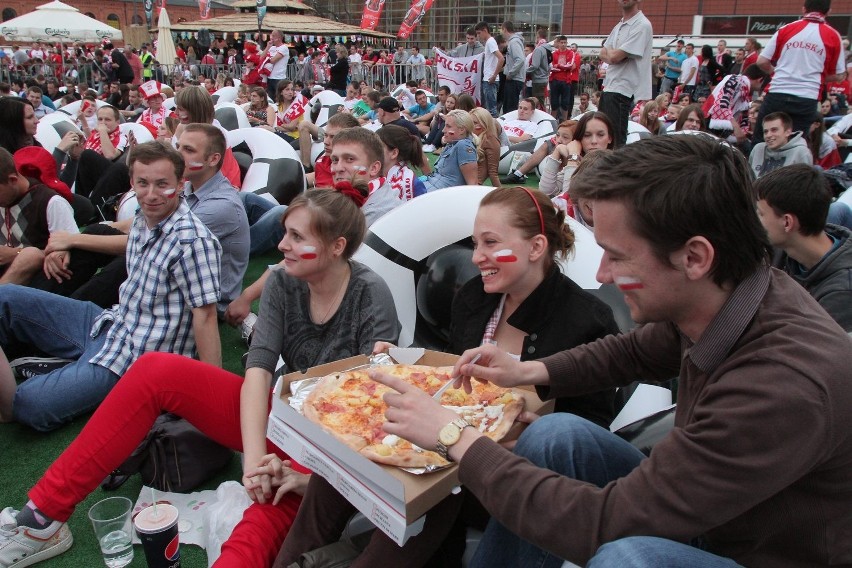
pixel 94 141
pixel 293 112
pixel 156 119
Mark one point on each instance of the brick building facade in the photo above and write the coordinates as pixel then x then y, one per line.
pixel 119 14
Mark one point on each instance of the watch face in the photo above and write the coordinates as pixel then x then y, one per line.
pixel 449 434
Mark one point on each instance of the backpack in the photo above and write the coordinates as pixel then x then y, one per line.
pixel 175 456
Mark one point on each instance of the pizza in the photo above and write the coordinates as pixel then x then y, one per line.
pixel 349 405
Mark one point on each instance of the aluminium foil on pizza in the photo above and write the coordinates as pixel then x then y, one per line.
pixel 391 498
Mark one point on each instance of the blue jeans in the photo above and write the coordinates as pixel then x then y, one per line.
pixel 60 327
pixel 264 217
pixel 573 447
pixel 489 96
pixel 650 552
pixel 840 214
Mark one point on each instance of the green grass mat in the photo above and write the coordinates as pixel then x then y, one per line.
pixel 25 454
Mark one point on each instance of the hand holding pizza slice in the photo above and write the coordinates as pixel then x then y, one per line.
pixel 395 421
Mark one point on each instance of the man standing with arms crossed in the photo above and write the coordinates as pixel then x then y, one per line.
pixel 279 56
pixel 627 52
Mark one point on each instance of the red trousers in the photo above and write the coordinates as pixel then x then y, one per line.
pixel 206 396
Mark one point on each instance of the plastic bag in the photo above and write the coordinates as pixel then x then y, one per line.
pixel 223 515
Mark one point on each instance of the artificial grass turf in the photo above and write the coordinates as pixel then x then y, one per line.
pixel 25 454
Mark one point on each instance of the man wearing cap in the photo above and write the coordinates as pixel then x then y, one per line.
pixel 389 113
pixel 32 209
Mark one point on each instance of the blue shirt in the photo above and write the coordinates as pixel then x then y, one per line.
pixel 219 207
pixel 679 58
pixel 171 269
pixel 447 171
pixel 417 111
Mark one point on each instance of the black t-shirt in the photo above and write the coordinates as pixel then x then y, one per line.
pixel 407 124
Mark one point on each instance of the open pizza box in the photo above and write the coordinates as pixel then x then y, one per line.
pixel 394 500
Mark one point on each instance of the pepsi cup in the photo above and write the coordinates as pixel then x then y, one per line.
pixel 158 530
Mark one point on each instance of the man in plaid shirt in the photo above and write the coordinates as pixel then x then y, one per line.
pixel 167 303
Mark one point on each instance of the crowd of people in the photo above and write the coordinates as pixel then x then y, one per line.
pixel 720 226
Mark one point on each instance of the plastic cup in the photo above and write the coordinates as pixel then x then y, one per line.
pixel 111 521
pixel 158 530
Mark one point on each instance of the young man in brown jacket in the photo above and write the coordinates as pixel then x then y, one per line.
pixel 758 469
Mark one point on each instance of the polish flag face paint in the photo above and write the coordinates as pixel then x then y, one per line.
pixel 361 170
pixel 627 283
pixel 505 255
pixel 308 253
pixel 170 192
pixel 195 166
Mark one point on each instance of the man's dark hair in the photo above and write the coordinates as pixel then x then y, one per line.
pixel 680 41
pixel 7 165
pixel 482 26
pixel 782 116
pixel 419 92
pixel 692 45
pixel 216 143
pixel 5 89
pixel 470 31
pixel 687 186
pixel 445 89
pixel 35 89
pixel 821 6
pixel 509 26
pixel 151 152
pixel 561 38
pixel 755 72
pixel 799 190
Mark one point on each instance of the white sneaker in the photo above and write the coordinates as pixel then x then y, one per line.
pixel 429 148
pixel 24 546
pixel 247 327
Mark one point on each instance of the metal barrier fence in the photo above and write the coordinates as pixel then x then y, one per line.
pixel 376 75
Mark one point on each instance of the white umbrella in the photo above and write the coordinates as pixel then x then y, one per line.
pixel 57 22
pixel 165 52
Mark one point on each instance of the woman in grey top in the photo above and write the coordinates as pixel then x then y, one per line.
pixel 321 306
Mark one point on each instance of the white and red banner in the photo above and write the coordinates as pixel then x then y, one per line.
pixel 460 74
pixel 372 13
pixel 415 13
pixel 204 9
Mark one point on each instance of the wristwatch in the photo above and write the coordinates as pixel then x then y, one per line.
pixel 574 158
pixel 449 435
